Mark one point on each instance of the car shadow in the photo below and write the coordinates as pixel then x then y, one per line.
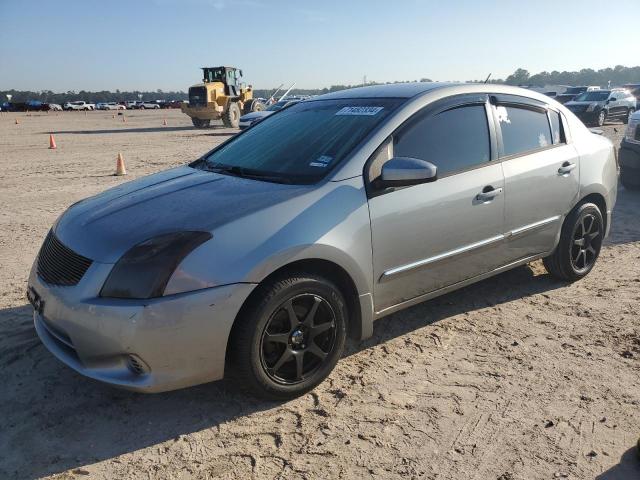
pixel 123 130
pixel 512 285
pixel 624 228
pixel 628 467
pixel 71 421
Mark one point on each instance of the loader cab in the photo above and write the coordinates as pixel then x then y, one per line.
pixel 229 76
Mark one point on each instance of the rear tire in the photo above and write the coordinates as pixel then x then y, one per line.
pixel 253 106
pixel 630 178
pixel 231 118
pixel 290 336
pixel 625 119
pixel 579 245
pixel 602 118
pixel 198 123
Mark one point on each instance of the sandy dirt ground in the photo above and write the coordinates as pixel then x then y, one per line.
pixel 517 377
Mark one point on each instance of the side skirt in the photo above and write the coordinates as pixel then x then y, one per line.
pixel 455 286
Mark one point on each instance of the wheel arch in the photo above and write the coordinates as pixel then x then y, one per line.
pixel 359 318
pixel 599 200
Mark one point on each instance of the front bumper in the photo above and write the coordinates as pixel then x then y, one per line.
pixel 150 345
pixel 212 111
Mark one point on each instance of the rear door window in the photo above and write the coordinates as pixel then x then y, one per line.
pixel 454 140
pixel 523 129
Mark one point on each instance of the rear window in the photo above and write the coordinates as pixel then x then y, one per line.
pixel 556 127
pixel 523 129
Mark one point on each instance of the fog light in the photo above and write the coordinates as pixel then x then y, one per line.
pixel 136 365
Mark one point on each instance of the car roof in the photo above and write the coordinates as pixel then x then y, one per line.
pixel 419 89
pixel 392 90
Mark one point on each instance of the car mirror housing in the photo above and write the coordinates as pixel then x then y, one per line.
pixel 405 171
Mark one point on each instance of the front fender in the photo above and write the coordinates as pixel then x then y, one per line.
pixel 330 223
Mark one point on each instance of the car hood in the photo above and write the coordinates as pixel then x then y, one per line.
pixel 568 104
pixel 254 116
pixel 105 226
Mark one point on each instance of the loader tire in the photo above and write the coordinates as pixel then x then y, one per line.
pixel 231 118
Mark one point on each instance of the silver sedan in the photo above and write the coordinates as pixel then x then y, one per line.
pixel 261 257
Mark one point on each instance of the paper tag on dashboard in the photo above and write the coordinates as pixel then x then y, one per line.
pixel 367 111
pixel 322 161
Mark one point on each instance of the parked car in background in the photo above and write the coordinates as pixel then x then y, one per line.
pixel 261 256
pixel 175 103
pixel 55 107
pixel 634 88
pixel 79 105
pixel 597 106
pixel 629 155
pixel 113 106
pixel 250 118
pixel 572 92
pixel 131 105
pixel 148 105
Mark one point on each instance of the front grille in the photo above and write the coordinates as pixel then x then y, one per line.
pixel 637 137
pixel 59 265
pixel 197 96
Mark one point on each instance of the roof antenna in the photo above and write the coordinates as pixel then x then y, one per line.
pixel 487 79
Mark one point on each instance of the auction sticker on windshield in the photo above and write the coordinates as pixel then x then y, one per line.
pixel 359 110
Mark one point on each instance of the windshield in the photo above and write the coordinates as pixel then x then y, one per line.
pixel 302 143
pixel 595 96
pixel 276 106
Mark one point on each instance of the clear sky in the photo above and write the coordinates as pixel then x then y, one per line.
pixel 149 44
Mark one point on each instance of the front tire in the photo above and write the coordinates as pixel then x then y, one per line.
pixel 231 118
pixel 579 245
pixel 290 337
pixel 198 123
pixel 602 118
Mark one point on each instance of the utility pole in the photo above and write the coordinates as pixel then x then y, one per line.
pixel 364 81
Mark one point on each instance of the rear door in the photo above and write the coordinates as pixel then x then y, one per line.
pixel 426 237
pixel 617 104
pixel 542 173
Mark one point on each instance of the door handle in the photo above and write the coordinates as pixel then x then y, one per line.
pixel 566 168
pixel 488 194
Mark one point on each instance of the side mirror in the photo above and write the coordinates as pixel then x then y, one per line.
pixel 405 171
pixel 612 99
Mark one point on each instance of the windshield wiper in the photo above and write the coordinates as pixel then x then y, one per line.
pixel 246 173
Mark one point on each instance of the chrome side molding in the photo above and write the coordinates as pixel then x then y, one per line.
pixel 467 248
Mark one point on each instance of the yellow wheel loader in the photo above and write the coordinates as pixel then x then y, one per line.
pixel 221 95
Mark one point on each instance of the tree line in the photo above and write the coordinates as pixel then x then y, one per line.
pixel 616 76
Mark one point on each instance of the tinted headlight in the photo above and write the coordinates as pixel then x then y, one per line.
pixel 143 272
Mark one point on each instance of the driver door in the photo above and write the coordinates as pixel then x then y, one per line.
pixel 429 236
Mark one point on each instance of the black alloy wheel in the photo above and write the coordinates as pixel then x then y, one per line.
pixel 579 245
pixel 587 241
pixel 289 336
pixel 298 338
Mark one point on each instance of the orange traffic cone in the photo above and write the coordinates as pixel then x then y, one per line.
pixel 52 142
pixel 120 168
pixel 124 119
pixel 164 122
pixel 17 122
pixel 113 116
